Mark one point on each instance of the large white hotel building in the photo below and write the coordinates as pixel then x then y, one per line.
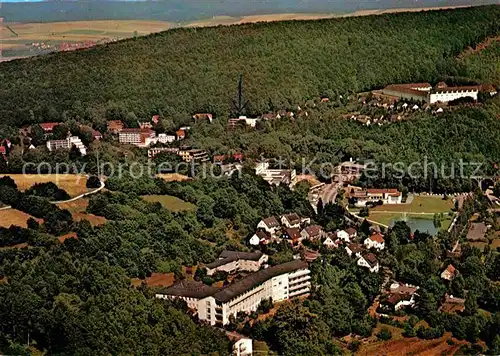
pixel 278 283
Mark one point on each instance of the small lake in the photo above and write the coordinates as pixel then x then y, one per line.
pixel 422 225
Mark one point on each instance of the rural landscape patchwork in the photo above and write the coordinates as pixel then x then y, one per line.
pixel 212 178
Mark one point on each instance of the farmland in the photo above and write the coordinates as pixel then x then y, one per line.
pixel 73 184
pixel 169 202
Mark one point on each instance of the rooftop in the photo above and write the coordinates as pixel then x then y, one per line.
pixel 230 256
pixel 189 289
pixel 271 222
pixel 255 279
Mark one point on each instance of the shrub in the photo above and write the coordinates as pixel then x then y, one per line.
pixel 384 334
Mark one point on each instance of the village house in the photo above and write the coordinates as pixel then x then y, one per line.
pixel 48 127
pixel 370 262
pixel 236 261
pixel 155 119
pixel 145 124
pixel 270 224
pixel 452 305
pixel 446 94
pixel 252 122
pixel 115 126
pixel 399 296
pixel 292 235
pixel 449 273
pixel 375 241
pixel 281 282
pixel 259 238
pixel 242 346
pixel 312 232
pixel 291 220
pixel 189 291
pixel 352 232
pixel 477 232
pixel 181 134
pixel 343 235
pixel 329 242
pixel 354 249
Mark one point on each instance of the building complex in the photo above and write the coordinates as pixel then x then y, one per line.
pixel 215 306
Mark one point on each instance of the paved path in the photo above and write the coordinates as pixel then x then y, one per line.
pixel 69 200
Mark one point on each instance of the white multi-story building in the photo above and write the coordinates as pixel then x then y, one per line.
pixel 275 176
pixel 387 196
pixel 278 283
pixel 137 137
pixel 235 261
pixel 67 144
pixel 187 290
pixel 447 94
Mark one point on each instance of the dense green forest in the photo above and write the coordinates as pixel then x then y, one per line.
pixel 285 63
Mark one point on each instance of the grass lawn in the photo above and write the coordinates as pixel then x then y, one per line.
pixel 420 204
pixel 73 184
pixel 169 202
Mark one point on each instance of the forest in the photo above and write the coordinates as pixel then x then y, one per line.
pixel 183 71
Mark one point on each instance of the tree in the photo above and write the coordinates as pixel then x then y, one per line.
pixel 93 182
pixel 384 334
pixel 60 132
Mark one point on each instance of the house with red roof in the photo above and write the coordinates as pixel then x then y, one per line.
pixel 449 273
pixel 181 134
pixel 47 127
pixel 370 262
pixel 375 241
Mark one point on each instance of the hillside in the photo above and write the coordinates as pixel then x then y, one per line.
pixel 285 63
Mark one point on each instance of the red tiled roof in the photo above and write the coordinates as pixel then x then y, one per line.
pixel 271 222
pixel 48 126
pixel 451 269
pixel 371 259
pixel 147 131
pixel 382 191
pixel 313 230
pixel 293 233
pixel 455 89
pixel 3 150
pixel 377 238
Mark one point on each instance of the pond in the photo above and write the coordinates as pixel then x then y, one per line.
pixel 422 225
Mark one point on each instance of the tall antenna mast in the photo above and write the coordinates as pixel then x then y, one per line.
pixel 240 104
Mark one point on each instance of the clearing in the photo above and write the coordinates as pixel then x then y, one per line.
pixel 156 280
pixel 173 177
pixel 400 345
pixel 169 202
pixel 10 217
pixel 73 184
pixel 77 209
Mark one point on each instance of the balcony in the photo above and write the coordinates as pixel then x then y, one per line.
pixel 294 288
pixel 299 280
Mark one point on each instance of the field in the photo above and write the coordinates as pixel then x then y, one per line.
pixel 422 207
pixel 156 280
pixel 173 177
pixel 420 204
pixel 77 210
pixel 10 217
pixel 73 184
pixel 399 345
pixel 169 202
pixel 54 33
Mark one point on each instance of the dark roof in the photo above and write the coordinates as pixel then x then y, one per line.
pixel 292 218
pixel 456 89
pixel 293 233
pixel 230 256
pixel 351 231
pixel 271 221
pixel 313 230
pixel 371 259
pixel 255 279
pixel 355 248
pixel 477 231
pixel 189 289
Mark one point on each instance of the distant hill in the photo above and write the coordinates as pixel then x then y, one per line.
pixel 185 70
pixel 190 10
